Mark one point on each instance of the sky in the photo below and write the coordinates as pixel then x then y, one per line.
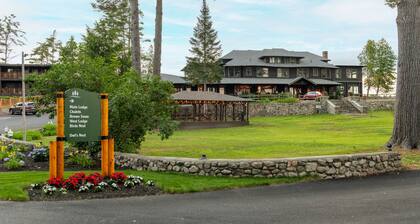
pixel 340 26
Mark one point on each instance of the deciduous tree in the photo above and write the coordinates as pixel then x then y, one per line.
pixel 406 132
pixel 203 66
pixel 379 60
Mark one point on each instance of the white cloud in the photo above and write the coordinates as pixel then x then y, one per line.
pixel 357 12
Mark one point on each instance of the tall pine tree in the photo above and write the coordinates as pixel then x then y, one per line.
pixel 203 66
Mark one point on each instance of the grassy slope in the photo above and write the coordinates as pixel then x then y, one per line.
pixel 291 136
pixel 12 184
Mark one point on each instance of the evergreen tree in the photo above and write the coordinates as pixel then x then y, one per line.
pixel 70 51
pixel 47 51
pixel 10 35
pixel 203 66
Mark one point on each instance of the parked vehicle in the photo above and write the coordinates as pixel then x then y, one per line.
pixel 313 95
pixel 18 107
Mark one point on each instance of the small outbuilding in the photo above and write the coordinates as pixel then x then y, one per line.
pixel 199 109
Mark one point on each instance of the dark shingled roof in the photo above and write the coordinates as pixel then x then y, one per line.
pixel 273 81
pixel 276 81
pixel 253 58
pixel 206 96
pixel 173 78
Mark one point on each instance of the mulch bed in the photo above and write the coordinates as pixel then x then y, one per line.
pixel 142 190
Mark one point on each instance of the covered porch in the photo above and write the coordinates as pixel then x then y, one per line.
pixel 210 110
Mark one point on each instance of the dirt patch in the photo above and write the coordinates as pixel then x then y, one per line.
pixel 142 190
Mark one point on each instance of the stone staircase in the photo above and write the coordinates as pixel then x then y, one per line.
pixel 344 107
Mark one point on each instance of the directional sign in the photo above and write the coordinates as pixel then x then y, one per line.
pixel 82 116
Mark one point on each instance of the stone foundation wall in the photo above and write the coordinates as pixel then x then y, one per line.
pixel 326 167
pixel 283 109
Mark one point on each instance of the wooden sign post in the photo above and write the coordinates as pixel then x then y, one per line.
pixel 82 116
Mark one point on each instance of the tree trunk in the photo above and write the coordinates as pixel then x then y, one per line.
pixel 368 90
pixel 377 91
pixel 157 57
pixel 135 36
pixel 406 131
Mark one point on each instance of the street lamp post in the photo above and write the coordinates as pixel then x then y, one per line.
pixel 23 96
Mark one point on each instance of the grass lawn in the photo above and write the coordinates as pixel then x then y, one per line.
pixel 13 184
pixel 291 136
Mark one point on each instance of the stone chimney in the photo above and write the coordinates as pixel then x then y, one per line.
pixel 325 56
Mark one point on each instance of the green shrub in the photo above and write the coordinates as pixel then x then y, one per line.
pixel 286 100
pixel 48 130
pixel 82 160
pixel 30 135
pixel 279 100
pixel 13 164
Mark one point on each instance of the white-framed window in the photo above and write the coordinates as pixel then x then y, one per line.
pixel 293 60
pixel 351 73
pixel 315 72
pixel 265 72
pixel 272 60
pixel 324 73
pixel 237 72
pixel 338 74
pixel 283 73
pixel 248 72
pixel 354 90
pixel 302 72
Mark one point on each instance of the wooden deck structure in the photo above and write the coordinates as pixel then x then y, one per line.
pixel 209 109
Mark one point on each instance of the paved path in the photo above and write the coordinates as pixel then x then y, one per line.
pixel 382 199
pixel 15 122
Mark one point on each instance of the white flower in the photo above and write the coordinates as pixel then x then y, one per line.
pixel 102 184
pixel 83 188
pixel 63 190
pixel 48 189
pixel 115 186
pixel 89 185
pixel 129 184
pixel 150 183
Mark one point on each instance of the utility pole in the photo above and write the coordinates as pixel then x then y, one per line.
pixel 23 96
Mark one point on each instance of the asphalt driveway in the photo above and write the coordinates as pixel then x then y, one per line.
pixel 381 199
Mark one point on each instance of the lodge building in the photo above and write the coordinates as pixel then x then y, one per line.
pixel 11 77
pixel 268 71
pixel 273 71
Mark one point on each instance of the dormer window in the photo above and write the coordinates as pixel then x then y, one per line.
pixel 281 60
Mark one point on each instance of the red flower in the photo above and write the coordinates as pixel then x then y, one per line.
pixel 56 182
pixel 119 177
pixel 72 183
pixel 75 181
pixel 94 178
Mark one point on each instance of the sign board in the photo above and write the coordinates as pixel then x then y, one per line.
pixel 82 116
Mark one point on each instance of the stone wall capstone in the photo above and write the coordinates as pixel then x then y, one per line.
pixel 325 167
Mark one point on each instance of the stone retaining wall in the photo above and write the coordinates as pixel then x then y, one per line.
pixel 283 109
pixel 326 167
pixel 379 104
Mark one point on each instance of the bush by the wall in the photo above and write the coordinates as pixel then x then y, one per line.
pixel 49 130
pixel 30 135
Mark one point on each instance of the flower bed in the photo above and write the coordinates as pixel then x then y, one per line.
pixel 17 157
pixel 82 186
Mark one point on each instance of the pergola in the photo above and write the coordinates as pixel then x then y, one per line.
pixel 210 109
